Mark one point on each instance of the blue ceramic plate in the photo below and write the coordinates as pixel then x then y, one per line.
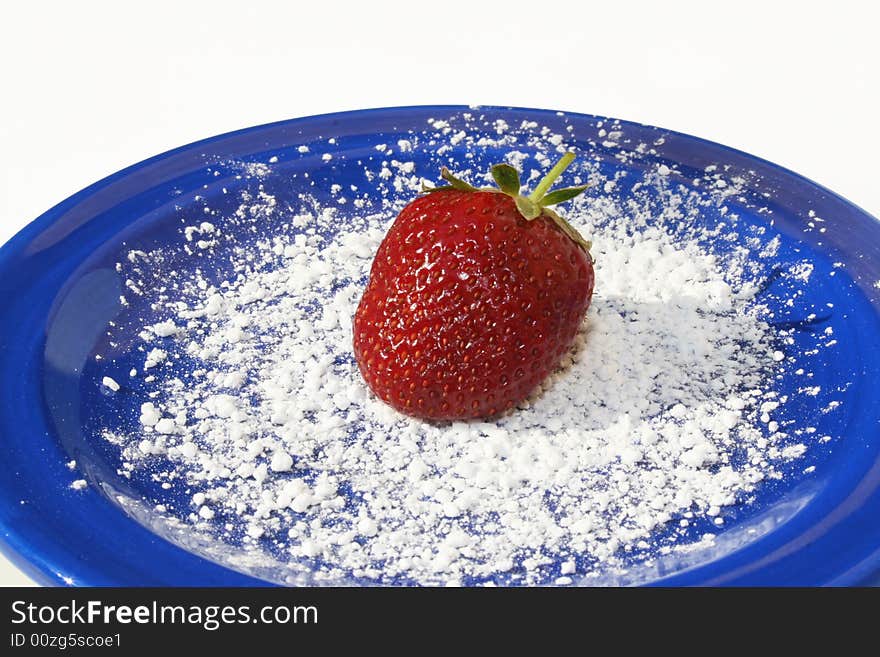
pixel 59 290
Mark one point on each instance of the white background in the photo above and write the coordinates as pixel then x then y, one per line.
pixel 90 87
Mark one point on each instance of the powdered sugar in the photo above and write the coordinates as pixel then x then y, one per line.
pixel 110 383
pixel 665 410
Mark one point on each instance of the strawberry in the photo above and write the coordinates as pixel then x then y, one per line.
pixel 473 298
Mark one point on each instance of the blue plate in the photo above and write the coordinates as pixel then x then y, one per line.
pixel 59 289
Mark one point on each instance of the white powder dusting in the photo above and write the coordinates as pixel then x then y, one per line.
pixel 110 383
pixel 155 357
pixel 662 414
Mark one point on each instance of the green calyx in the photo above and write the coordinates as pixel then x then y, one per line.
pixel 535 204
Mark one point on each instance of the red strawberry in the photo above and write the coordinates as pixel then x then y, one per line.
pixel 474 297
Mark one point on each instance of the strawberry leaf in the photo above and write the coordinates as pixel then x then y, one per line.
pixel 507 178
pixel 527 207
pixel 457 183
pixel 439 188
pixel 562 195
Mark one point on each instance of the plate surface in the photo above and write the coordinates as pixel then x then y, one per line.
pixel 59 289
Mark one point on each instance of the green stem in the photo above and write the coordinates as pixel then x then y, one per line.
pixel 548 180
